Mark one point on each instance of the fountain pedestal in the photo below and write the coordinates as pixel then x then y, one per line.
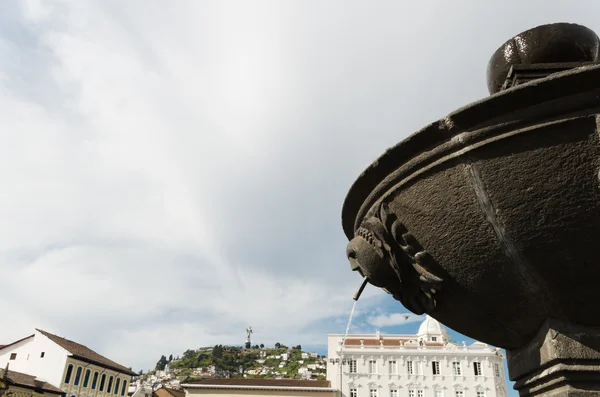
pixel 562 360
pixel 488 219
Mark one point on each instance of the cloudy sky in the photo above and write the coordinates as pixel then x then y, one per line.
pixel 174 171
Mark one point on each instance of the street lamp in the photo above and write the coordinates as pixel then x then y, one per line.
pixel 343 362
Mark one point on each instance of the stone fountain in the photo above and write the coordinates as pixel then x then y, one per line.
pixel 489 219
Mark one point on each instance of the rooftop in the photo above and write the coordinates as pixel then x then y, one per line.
pixel 86 354
pixel 264 384
pixel 384 340
pixel 168 392
pixel 29 382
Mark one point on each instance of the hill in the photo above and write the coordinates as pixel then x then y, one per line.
pixel 279 362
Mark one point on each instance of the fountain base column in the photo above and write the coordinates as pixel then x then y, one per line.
pixel 561 360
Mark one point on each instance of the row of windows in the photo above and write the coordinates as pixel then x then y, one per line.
pixel 415 393
pixel 86 381
pixel 13 356
pixel 415 368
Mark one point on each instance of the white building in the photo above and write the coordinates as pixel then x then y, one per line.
pixel 75 369
pixel 422 365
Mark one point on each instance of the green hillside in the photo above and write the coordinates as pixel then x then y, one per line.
pixel 236 362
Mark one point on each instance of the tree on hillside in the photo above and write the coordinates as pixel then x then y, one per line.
pixel 161 364
pixel 217 351
pixel 262 346
pixel 247 361
pixel 170 358
pixel 189 360
pixel 204 360
pixel 299 347
pixel 277 345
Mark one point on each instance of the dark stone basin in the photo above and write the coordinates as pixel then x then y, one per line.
pixel 489 219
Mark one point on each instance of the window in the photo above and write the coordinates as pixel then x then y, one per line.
pixel 353 393
pixel 68 374
pixel 77 376
pixel 435 367
pixel 392 367
pixel 373 393
pixel 102 379
pixel 124 388
pixel 110 382
pixel 480 394
pixel 86 378
pixel 459 393
pixel 13 356
pixel 42 354
pixel 409 369
pixel 372 366
pixel 352 366
pixel 456 368
pixel 95 380
pixel 419 393
pixel 477 369
pixel 411 393
pixel 438 393
pixel 393 393
pixel 496 370
pixel 434 338
pixel 117 384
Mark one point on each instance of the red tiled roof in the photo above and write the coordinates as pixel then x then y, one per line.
pixel 29 382
pixel 375 342
pixel 168 392
pixel 86 354
pixel 262 382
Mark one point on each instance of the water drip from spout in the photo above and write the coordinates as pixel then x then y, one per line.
pixel 348 326
pixel 355 297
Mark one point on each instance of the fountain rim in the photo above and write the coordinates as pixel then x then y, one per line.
pixel 503 107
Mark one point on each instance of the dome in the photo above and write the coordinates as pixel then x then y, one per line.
pixel 432 331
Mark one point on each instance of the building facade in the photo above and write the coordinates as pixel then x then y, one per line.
pixel 71 367
pixel 424 365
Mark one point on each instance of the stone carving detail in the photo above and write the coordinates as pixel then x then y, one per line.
pixel 391 257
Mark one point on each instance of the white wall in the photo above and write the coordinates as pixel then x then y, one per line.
pixel 48 369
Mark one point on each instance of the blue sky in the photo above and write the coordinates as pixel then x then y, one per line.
pixel 173 172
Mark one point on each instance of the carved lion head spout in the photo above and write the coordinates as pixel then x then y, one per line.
pixel 389 256
pixel 368 256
